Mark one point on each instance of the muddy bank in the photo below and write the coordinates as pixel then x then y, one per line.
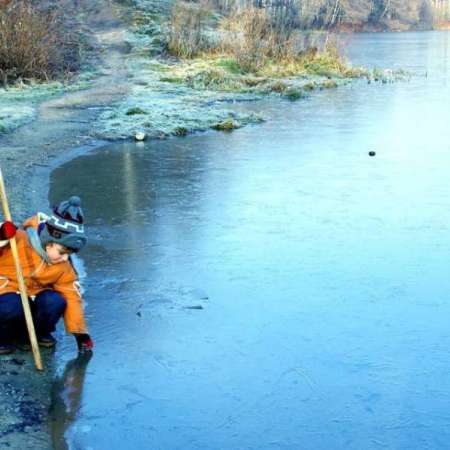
pixel 24 394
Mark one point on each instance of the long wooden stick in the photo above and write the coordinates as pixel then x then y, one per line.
pixel 20 279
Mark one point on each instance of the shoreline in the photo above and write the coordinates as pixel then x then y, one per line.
pixel 167 96
pixel 59 130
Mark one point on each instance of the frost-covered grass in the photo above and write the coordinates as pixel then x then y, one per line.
pixel 221 74
pixel 13 115
pixel 160 108
pixel 18 103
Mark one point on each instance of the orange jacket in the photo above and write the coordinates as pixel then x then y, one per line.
pixel 40 276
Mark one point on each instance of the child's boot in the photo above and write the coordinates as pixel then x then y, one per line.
pixel 46 340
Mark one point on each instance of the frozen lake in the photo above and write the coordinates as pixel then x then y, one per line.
pixel 276 287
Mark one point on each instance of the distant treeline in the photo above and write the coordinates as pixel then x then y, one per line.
pixel 255 32
pixel 352 14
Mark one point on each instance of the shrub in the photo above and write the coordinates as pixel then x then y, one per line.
pixel 255 36
pixel 293 94
pixel 278 86
pixel 230 65
pixel 310 86
pixel 328 84
pixel 34 43
pixel 246 37
pixel 226 125
pixel 134 111
pixel 171 79
pixel 180 131
pixel 210 78
pixel 187 36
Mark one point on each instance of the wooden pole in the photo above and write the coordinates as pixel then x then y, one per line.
pixel 20 279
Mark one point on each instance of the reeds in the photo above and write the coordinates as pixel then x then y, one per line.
pixel 252 39
pixel 187 34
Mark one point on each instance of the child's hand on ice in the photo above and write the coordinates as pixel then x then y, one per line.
pixel 84 342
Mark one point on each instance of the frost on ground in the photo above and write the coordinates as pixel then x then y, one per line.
pixel 13 114
pixel 160 108
pixel 18 104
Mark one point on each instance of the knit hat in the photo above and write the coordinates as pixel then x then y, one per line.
pixel 65 225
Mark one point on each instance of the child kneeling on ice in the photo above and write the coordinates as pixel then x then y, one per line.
pixel 44 248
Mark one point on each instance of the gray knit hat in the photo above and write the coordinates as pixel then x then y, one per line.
pixel 65 225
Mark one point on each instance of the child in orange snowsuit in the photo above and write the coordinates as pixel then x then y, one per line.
pixel 44 245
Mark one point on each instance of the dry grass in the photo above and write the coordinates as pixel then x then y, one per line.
pixel 250 35
pixel 34 44
pixel 247 37
pixel 253 40
pixel 187 29
pixel 260 45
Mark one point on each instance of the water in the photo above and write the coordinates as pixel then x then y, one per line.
pixel 276 287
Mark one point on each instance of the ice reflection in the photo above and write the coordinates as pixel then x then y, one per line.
pixel 67 392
